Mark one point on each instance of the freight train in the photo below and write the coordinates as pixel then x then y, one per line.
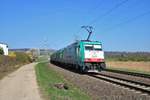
pixel 84 55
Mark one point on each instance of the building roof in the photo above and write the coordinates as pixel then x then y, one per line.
pixel 3 43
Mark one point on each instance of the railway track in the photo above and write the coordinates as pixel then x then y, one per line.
pixel 137 86
pixel 129 73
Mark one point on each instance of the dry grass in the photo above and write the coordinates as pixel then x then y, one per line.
pixel 129 65
pixel 10 63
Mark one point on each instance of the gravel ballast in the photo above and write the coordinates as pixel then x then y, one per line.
pixel 99 89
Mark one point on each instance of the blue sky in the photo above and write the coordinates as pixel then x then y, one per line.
pixel 56 23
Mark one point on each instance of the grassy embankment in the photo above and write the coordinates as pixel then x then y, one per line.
pixel 48 78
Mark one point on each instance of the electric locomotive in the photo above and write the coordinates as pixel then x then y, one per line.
pixel 84 55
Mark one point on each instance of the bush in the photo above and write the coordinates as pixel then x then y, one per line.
pixel 12 62
pixel 12 54
pixel 1 51
pixel 23 57
pixel 19 59
pixel 7 63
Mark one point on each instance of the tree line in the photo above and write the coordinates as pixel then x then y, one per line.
pixel 127 56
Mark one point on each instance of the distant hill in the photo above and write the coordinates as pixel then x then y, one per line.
pixel 46 51
pixel 38 51
pixel 20 50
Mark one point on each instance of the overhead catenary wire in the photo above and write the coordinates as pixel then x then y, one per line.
pixel 95 7
pixel 119 24
pixel 105 14
pixel 79 30
pixel 108 12
pixel 128 21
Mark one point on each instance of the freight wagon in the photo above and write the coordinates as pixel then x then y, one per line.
pixel 84 55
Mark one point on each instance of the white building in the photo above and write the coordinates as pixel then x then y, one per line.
pixel 4 47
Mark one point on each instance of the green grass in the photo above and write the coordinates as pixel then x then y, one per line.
pixel 47 77
pixel 43 58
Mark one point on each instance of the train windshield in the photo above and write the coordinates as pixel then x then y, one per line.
pixel 93 47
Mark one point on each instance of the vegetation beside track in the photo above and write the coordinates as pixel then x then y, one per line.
pixel 48 78
pixel 43 58
pixel 12 62
pixel 140 67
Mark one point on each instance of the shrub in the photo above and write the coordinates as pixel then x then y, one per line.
pixel 1 51
pixel 12 62
pixel 22 57
pixel 7 63
pixel 12 54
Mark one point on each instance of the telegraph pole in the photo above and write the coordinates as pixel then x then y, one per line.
pixel 45 46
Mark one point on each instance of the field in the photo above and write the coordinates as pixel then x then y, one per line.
pixel 129 61
pixel 143 67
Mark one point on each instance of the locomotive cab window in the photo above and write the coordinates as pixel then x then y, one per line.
pixel 93 47
pixel 88 47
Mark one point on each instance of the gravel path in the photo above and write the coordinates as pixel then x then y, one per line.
pixel 20 85
pixel 99 89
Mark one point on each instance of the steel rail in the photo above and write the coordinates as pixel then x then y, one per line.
pixel 129 73
pixel 143 88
